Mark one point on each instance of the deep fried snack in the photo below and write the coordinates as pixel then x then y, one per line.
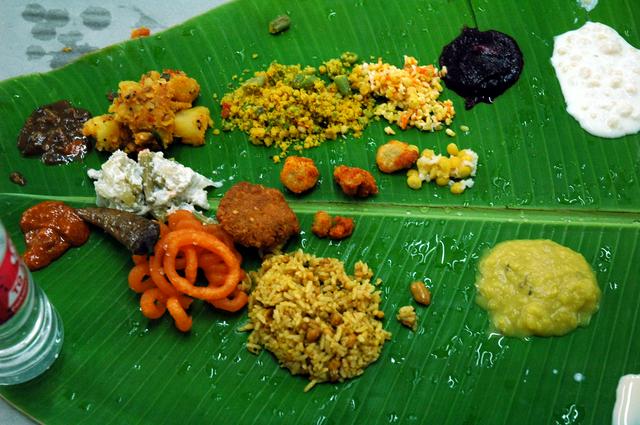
pixel 335 227
pixel 355 181
pixel 342 227
pixel 187 245
pixel 257 216
pixel 299 174
pixel 321 224
pixel 396 155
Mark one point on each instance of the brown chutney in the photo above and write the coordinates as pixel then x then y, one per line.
pixel 54 131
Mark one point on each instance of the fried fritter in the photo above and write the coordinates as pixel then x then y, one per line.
pixel 355 181
pixel 257 216
pixel 299 174
pixel 396 155
pixel 321 224
pixel 337 227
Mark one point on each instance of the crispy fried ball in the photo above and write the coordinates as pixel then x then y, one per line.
pixel 355 181
pixel 299 174
pixel 335 227
pixel 257 216
pixel 396 155
pixel 321 224
pixel 342 227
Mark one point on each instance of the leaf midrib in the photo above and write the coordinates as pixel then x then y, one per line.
pixel 570 217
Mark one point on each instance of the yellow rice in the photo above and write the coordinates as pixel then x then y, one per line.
pixel 314 318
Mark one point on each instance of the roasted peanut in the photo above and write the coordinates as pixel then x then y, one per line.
pixel 420 293
pixel 313 334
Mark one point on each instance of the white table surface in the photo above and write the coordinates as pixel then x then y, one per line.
pixel 34 33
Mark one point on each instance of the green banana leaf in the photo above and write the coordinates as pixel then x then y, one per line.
pixel 540 176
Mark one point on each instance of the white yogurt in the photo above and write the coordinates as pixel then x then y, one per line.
pixel 588 5
pixel 627 408
pixel 599 73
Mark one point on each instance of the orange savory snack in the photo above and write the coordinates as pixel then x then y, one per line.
pixel 299 174
pixel 140 32
pixel 396 155
pixel 337 227
pixel 167 279
pixel 355 181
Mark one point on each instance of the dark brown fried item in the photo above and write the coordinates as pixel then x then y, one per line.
pixel 335 227
pixel 138 234
pixel 355 181
pixel 299 174
pixel 396 155
pixel 256 216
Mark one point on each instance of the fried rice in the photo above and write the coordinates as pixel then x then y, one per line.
pixel 314 318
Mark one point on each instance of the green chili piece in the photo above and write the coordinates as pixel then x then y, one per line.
pixel 302 81
pixel 256 81
pixel 279 24
pixel 349 57
pixel 342 83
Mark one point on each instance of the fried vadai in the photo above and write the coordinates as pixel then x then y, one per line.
pixel 256 216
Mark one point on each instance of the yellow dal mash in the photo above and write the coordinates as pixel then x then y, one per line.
pixel 536 287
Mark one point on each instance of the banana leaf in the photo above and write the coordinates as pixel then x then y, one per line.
pixel 540 176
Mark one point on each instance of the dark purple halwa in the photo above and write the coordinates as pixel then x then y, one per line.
pixel 481 65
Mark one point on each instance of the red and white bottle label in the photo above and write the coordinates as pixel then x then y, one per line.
pixel 14 280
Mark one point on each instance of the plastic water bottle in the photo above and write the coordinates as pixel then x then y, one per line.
pixel 31 331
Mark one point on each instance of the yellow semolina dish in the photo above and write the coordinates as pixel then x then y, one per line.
pixel 536 287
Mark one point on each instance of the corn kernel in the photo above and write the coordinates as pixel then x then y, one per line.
pixel 414 182
pixel 455 162
pixel 450 132
pixel 464 172
pixel 464 128
pixel 445 165
pixel 442 181
pixel 428 153
pixel 452 149
pixel 457 188
pixel 412 172
pixel 433 173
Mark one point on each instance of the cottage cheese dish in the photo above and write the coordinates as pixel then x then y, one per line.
pixel 536 287
pixel 153 185
pixel 119 184
pixel 599 73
